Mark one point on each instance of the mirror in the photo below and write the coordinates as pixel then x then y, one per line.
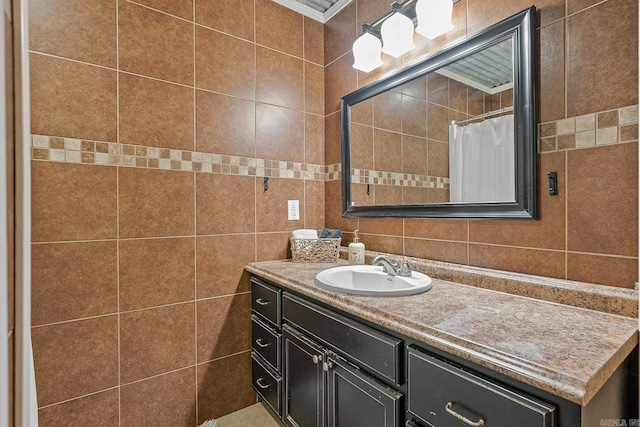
pixel 453 136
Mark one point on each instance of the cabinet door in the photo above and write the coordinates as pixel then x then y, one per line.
pixel 304 380
pixel 357 400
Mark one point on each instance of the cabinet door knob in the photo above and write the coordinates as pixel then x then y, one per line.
pixel 316 359
pixel 260 383
pixel 261 343
pixel 326 366
pixel 465 420
pixel 262 301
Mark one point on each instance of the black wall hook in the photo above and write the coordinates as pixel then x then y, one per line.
pixel 265 183
pixel 553 183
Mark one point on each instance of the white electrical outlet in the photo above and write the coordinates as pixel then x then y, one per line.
pixel 293 209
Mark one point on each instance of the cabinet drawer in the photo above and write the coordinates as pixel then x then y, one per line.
pixel 266 383
pixel 265 300
pixel 370 348
pixel 266 342
pixel 444 395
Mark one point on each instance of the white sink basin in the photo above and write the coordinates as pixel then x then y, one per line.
pixel 370 280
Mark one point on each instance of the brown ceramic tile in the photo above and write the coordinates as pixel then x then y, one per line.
pixel 548 144
pixel 314 204
pixel 362 146
pixel 414 155
pixel 386 244
pixel 156 272
pixel 388 67
pixel 607 222
pixel 369 11
pixel 71 29
pixel 75 358
pixel 548 232
pixel 224 386
pixel 519 260
pixel 86 212
pixel 607 119
pixel 224 326
pixel 144 47
pixel 438 195
pixel 409 195
pixel 604 270
pixel 155 203
pixel 156 340
pixel 155 113
pixel 220 264
pixel 458 95
pixel 72 99
pixel 313 88
pixel 225 204
pixel 314 139
pixel 340 32
pixel 566 141
pixel 236 18
pixel 332 139
pixel 272 246
pixel 592 54
pixel 387 226
pixel 552 78
pixel 482 13
pixel 629 133
pixel 438 119
pixel 279 28
pixel 436 250
pixel 183 9
pixel 271 205
pixel 414 116
pixel 101 408
pixel 438 164
pixel 313 41
pixel 225 64
pixel 166 400
pixel 574 6
pixel 279 79
pixel 216 133
pixel 548 129
pixel 340 79
pixel 73 280
pixel 333 208
pixel 438 89
pixel 387 151
pixel 279 133
pixel 437 229
pixel 387 111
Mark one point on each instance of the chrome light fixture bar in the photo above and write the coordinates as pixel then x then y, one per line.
pixel 394 30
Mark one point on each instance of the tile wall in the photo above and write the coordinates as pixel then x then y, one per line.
pixel 154 124
pixel 588 97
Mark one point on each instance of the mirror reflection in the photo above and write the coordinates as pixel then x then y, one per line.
pixel 446 137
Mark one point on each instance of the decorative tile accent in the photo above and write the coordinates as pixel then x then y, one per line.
pixel 365 176
pixel 70 150
pixel 590 130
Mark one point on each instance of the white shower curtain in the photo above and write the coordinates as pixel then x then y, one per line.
pixel 482 161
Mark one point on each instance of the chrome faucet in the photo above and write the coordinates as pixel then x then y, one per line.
pixel 392 268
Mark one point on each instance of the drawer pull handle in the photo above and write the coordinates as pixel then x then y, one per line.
pixel 465 420
pixel 260 383
pixel 262 301
pixel 261 343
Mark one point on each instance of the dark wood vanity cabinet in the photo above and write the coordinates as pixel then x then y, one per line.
pixel 318 367
pixel 266 343
pixel 325 380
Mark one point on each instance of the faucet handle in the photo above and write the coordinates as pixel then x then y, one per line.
pixel 405 270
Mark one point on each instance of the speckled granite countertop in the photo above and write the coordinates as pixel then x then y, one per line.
pixel 566 350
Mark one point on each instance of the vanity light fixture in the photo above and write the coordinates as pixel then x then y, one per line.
pixel 397 34
pixel 434 17
pixel 392 33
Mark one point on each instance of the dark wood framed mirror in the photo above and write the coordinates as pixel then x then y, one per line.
pixel 452 136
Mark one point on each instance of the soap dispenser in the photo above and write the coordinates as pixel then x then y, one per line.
pixel 356 250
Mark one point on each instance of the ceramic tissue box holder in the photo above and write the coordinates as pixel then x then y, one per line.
pixel 306 246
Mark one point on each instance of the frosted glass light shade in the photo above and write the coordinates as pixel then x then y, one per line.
pixel 434 17
pixel 366 53
pixel 397 35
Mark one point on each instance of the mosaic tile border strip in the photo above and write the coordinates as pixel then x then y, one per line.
pixel 71 150
pixel 365 176
pixel 590 130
